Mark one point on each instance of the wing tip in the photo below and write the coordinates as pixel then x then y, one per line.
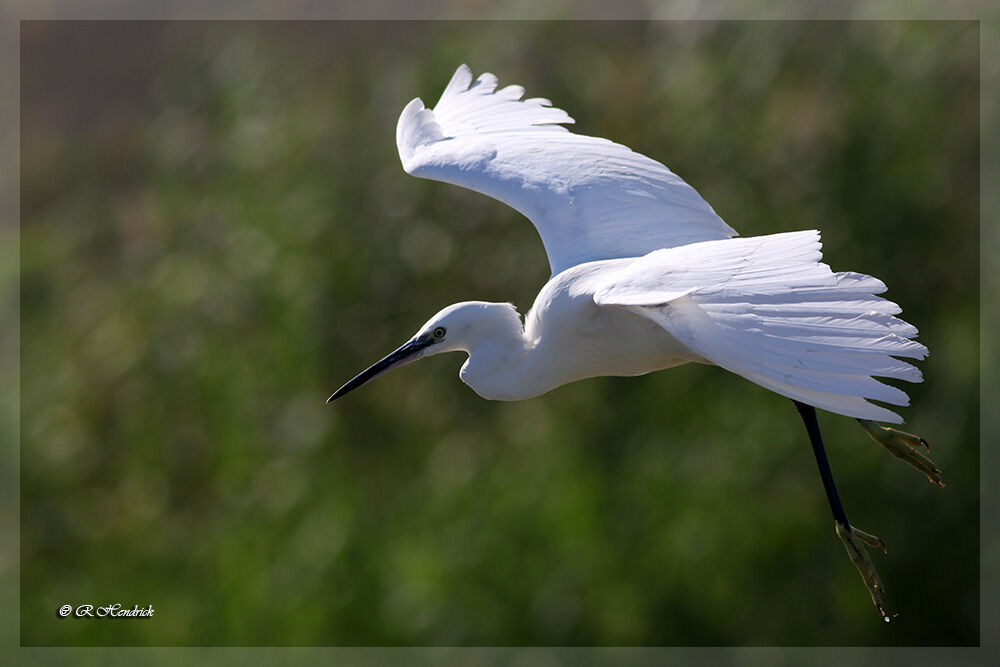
pixel 460 82
pixel 533 112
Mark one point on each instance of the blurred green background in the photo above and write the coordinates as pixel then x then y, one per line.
pixel 217 233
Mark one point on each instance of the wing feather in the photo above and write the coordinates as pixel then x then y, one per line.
pixel 589 198
pixel 766 308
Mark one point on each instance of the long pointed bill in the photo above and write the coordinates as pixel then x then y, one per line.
pixel 404 354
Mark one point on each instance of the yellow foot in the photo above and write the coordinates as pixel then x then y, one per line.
pixel 855 541
pixel 904 445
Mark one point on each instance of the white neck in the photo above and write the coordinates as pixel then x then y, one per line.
pixel 499 356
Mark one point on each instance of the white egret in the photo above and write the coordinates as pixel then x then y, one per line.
pixel 645 276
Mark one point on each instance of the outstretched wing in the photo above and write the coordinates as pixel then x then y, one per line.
pixel 767 309
pixel 589 198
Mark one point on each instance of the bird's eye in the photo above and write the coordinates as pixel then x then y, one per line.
pixel 439 333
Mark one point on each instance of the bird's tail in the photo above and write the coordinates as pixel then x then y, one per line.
pixel 767 309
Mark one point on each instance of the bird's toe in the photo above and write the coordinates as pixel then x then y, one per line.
pixel 855 542
pixel 904 446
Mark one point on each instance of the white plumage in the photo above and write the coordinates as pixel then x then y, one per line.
pixel 589 198
pixel 767 309
pixel 645 275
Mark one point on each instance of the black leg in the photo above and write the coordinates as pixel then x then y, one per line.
pixel 854 539
pixel 808 414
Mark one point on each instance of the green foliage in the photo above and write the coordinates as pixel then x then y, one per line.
pixel 207 255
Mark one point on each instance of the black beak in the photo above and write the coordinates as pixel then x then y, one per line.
pixel 404 354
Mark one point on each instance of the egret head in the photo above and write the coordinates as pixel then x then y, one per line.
pixel 459 327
